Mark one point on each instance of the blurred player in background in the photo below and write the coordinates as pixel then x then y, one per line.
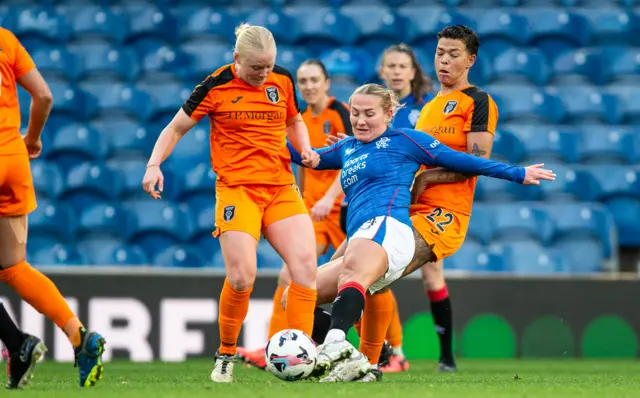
pixel 253 109
pixel 17 199
pixel 322 192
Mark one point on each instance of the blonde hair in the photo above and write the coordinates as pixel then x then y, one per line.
pixel 388 98
pixel 252 38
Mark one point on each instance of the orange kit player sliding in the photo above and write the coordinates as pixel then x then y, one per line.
pixel 321 189
pixel 17 199
pixel 253 109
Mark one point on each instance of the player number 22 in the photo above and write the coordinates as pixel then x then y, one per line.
pixel 440 219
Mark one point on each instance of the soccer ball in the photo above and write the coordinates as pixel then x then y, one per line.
pixel 290 355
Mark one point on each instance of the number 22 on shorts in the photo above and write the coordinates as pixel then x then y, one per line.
pixel 440 218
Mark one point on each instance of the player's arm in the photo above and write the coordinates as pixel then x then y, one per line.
pixel 298 134
pixel 41 101
pixel 330 157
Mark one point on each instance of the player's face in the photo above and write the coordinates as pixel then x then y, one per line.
pixel 452 61
pixel 312 83
pixel 397 71
pixel 368 118
pixel 255 68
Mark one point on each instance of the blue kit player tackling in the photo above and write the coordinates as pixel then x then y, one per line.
pixel 378 167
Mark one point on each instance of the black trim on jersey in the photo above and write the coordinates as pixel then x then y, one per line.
pixel 282 71
pixel 200 92
pixel 343 112
pixel 480 118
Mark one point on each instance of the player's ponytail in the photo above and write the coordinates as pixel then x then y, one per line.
pixel 251 39
pixel 388 98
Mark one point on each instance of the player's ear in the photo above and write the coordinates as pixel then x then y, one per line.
pixel 471 59
pixel 236 57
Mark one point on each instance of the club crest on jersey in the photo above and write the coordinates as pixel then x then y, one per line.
pixel 413 116
pixel 272 94
pixel 229 212
pixel 326 127
pixel 449 107
pixel 383 143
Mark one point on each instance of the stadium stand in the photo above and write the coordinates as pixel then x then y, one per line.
pixel 563 72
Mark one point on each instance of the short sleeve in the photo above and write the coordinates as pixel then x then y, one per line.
pixel 200 103
pixel 482 114
pixel 22 63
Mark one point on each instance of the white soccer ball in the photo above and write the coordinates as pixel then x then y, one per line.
pixel 291 355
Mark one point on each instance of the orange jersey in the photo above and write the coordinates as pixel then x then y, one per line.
pixel 449 118
pixel 332 120
pixel 15 62
pixel 248 139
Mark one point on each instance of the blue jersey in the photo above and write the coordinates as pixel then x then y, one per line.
pixel 407 116
pixel 377 176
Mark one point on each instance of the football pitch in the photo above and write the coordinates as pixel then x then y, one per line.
pixel 477 378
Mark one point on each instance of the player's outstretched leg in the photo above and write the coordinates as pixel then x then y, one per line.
pixel 24 351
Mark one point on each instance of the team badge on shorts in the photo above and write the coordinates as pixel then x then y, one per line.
pixel 229 212
pixel 449 107
pixel 272 94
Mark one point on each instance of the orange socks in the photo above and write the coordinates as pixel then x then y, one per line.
pixel 378 310
pixel 394 333
pixel 279 316
pixel 40 292
pixel 234 305
pixel 301 303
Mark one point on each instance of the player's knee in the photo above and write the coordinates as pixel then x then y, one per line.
pixel 241 277
pixel 304 270
pixel 433 275
pixel 284 278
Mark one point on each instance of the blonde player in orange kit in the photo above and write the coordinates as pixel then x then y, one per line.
pixel 253 109
pixel 322 192
pixel 17 199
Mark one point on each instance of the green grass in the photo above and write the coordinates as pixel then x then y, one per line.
pixel 535 379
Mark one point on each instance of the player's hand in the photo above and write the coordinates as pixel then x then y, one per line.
pixel 34 146
pixel 310 158
pixel 535 173
pixel 332 139
pixel 321 209
pixel 152 177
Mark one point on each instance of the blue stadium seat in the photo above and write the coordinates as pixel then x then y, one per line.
pixel 481 223
pixel 38 25
pixel 425 23
pixel 206 58
pixel 208 24
pixel 473 257
pixel 527 258
pixel 290 57
pixel 623 63
pixel 166 100
pixel 281 25
pixel 609 145
pixel 378 27
pixel 91 183
pixel 125 255
pixel 104 62
pixel 493 190
pixel 612 181
pixel 626 213
pixel 342 90
pixel 150 23
pixel 202 237
pixel 507 147
pixel 127 140
pixel 193 149
pixel 57 63
pixel 132 172
pixel 160 224
pixel 556 30
pixel 350 63
pixel 610 25
pixel 500 29
pixel 76 143
pixel 587 105
pixel 59 255
pixel 180 256
pixel 50 223
pixel 199 188
pixel 629 99
pixel 520 221
pixel 582 66
pixel 267 256
pixel 554 144
pixel 327 29
pixel 521 65
pixel 164 64
pixel 119 101
pixel 527 104
pixel 98 24
pixel 569 185
pixel 70 105
pixel 47 179
pixel 104 225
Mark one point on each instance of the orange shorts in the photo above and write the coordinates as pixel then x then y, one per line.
pixel 328 231
pixel 251 208
pixel 441 228
pixel 17 195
